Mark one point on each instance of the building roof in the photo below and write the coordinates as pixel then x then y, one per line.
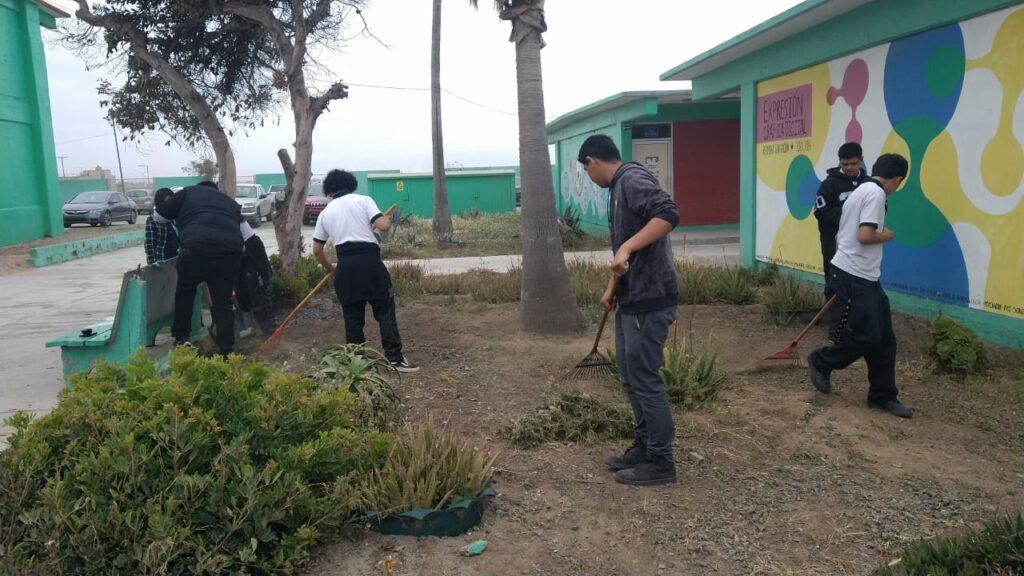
pixel 52 9
pixel 595 108
pixel 801 17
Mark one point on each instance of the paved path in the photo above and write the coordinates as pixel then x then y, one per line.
pixel 41 304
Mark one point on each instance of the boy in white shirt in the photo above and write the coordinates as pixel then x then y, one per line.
pixel 349 221
pixel 861 323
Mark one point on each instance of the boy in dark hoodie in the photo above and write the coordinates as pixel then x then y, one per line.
pixel 832 194
pixel 643 286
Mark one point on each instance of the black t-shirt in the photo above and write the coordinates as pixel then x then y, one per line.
pixel 206 219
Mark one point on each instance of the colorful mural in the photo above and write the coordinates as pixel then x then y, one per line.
pixel 951 100
pixel 578 190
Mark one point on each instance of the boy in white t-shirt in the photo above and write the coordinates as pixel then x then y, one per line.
pixel 349 221
pixel 861 323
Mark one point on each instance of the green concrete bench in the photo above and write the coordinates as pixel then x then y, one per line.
pixel 144 307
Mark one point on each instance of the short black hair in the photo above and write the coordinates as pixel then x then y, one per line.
pixel 850 150
pixel 339 183
pixel 601 147
pixel 208 184
pixel 161 195
pixel 890 166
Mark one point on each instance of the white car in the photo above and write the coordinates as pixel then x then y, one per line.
pixel 256 203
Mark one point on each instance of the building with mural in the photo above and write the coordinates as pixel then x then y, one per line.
pixel 692 147
pixel 30 198
pixel 939 81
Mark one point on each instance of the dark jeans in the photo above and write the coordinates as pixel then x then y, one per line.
pixel 218 271
pixel 861 327
pixel 640 352
pixel 384 314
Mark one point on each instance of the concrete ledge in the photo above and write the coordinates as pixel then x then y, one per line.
pixel 65 251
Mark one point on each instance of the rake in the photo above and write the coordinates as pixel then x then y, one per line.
pixel 789 352
pixel 595 364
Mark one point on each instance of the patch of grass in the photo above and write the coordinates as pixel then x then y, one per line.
pixel 693 377
pixel 995 548
pixel 427 467
pixel 810 454
pixel 358 369
pixel 287 290
pixel 571 417
pixel 955 348
pixel 696 283
pixel 589 280
pixel 734 285
pixel 495 287
pixel 788 296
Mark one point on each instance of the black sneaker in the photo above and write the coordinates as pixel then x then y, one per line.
pixel 183 342
pixel 404 365
pixel 893 407
pixel 821 379
pixel 652 471
pixel 633 455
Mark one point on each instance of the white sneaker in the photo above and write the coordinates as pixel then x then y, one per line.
pixel 405 366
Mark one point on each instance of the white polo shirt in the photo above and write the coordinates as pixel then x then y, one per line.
pixel 864 207
pixel 347 219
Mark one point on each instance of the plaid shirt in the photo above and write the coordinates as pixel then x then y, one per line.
pixel 161 241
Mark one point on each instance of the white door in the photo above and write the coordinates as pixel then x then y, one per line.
pixel 655 155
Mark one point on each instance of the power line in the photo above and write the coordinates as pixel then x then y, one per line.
pixel 445 90
pixel 83 139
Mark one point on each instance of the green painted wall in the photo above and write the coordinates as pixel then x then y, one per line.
pixel 69 188
pixel 30 198
pixel 748 174
pixel 277 178
pixel 271 179
pixel 172 181
pixel 493 192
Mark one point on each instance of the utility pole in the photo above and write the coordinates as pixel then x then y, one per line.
pixel 63 174
pixel 146 166
pixel 117 147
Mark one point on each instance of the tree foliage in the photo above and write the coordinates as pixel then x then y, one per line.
pixel 204 168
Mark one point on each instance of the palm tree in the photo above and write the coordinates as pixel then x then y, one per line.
pixel 548 304
pixel 443 229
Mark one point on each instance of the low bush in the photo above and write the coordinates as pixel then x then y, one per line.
pixel 955 348
pixel 693 376
pixel 286 290
pixel 997 548
pixel 696 283
pixel 358 369
pixel 571 417
pixel 734 285
pixel 218 467
pixel 570 228
pixel 788 296
pixel 427 467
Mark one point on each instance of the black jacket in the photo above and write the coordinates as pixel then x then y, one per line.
pixel 636 197
pixel 832 194
pixel 207 220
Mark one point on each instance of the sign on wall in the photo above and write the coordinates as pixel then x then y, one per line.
pixel 951 100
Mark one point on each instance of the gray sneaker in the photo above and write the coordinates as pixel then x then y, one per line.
pixel 633 455
pixel 653 471
pixel 405 366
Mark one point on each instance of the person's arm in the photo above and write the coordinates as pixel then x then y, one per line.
pixel 170 208
pixel 648 199
pixel 608 298
pixel 871 213
pixel 378 220
pixel 150 243
pixel 870 234
pixel 318 253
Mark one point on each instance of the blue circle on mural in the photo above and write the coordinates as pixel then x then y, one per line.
pixel 924 75
pixel 801 187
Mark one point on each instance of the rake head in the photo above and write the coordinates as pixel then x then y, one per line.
pixel 787 353
pixel 593 365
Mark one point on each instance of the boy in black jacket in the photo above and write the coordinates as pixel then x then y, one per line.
pixel 832 194
pixel 643 286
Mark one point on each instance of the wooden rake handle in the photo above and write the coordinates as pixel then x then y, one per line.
pixel 604 318
pixel 277 333
pixel 814 321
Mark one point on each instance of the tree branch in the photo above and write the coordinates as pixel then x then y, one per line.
pixel 264 16
pixel 317 105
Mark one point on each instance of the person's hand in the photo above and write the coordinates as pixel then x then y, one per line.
pixel 329 267
pixel 620 263
pixel 887 235
pixel 608 299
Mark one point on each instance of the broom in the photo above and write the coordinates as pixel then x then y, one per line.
pixel 789 352
pixel 595 364
pixel 269 342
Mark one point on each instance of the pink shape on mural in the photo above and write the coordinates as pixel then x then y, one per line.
pixel 853 90
pixel 784 115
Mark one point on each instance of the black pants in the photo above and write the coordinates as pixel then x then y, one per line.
pixel 861 327
pixel 218 271
pixel 384 314
pixel 828 251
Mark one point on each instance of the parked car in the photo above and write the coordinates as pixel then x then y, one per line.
pixel 315 203
pixel 99 209
pixel 256 203
pixel 143 200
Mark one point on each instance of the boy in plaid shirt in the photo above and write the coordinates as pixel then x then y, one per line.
pixel 161 238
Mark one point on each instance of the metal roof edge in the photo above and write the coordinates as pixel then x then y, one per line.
pixel 609 102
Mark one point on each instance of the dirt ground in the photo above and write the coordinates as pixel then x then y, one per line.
pixel 774 479
pixel 13 258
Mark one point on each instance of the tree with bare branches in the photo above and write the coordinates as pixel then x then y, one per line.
pixel 548 304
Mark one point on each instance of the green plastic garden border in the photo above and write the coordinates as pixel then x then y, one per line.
pixel 456 519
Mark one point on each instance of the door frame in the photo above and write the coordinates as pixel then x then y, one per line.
pixel 670 141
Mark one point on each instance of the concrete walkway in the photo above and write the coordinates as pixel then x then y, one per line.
pixel 42 304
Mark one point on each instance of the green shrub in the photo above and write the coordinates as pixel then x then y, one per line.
pixel 696 283
pixel 569 227
pixel 955 348
pixel 357 368
pixel 286 290
pixel 734 285
pixel 693 377
pixel 572 417
pixel 787 296
pixel 427 467
pixel 219 467
pixel 997 548
pixel 764 275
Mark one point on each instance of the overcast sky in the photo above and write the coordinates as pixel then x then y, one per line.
pixel 595 48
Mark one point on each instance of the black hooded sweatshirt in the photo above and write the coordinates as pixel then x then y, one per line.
pixel 828 207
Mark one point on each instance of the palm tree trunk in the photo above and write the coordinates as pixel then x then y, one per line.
pixel 548 304
pixel 443 229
